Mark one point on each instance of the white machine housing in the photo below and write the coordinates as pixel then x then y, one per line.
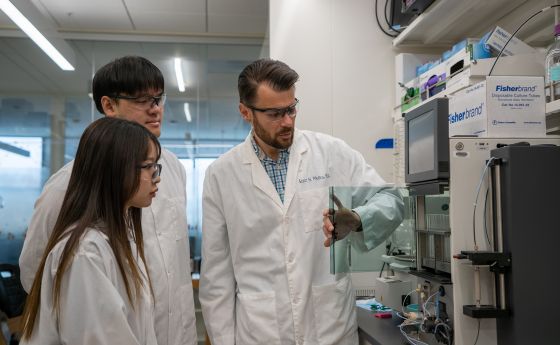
pixel 468 157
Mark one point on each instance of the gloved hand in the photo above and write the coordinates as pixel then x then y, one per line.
pixel 345 221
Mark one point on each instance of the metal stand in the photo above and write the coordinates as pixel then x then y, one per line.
pixel 498 261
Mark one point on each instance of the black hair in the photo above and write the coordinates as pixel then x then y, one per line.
pixel 129 75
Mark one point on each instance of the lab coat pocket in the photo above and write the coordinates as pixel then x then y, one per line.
pixel 335 314
pixel 312 203
pixel 256 319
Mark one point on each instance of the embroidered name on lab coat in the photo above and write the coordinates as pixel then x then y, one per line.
pixel 314 178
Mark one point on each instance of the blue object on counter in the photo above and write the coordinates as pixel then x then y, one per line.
pixel 412 307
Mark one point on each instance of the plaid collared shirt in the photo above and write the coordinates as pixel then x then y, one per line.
pixel 276 170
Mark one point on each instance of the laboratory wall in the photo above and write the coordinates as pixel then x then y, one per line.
pixel 346 73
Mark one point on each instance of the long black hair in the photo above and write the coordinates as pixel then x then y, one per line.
pixel 105 176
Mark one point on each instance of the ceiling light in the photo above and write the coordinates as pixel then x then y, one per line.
pixel 187 112
pixel 25 25
pixel 179 75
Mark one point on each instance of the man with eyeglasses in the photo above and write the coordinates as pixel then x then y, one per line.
pixel 265 275
pixel 132 88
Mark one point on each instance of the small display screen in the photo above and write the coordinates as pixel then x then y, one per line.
pixel 421 141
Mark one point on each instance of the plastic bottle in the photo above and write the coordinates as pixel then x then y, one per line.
pixel 552 66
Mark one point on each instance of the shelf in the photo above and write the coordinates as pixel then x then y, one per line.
pixel 477 70
pixel 447 22
pixel 440 278
pixel 552 110
pixel 440 232
pixel 552 107
pixel 429 188
pixel 553 130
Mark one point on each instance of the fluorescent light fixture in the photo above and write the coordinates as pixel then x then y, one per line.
pixel 179 75
pixel 25 25
pixel 187 112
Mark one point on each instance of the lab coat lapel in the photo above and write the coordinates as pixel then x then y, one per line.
pixel 259 177
pixel 297 152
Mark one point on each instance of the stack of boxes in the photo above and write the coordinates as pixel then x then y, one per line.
pixel 495 106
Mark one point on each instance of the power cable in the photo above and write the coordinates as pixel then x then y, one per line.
pixel 477 333
pixel 517 30
pixel 387 19
pixel 476 200
pixel 485 225
pixel 379 23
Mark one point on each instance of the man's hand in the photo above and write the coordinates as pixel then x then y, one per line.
pixel 328 227
pixel 345 221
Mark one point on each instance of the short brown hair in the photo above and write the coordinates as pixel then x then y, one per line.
pixel 275 73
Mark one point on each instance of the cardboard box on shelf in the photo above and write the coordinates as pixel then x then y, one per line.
pixel 498 39
pixel 511 106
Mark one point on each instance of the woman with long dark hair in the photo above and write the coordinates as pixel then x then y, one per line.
pixel 92 286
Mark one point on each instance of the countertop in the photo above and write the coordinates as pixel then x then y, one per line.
pixel 378 331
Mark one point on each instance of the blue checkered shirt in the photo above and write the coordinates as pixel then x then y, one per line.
pixel 276 170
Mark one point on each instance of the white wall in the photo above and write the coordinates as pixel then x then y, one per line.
pixel 346 73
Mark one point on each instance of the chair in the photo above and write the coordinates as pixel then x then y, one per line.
pixel 12 300
pixel 12 294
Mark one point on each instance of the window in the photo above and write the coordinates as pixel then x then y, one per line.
pixel 20 184
pixel 44 110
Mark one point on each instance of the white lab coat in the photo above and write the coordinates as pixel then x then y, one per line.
pixel 94 306
pixel 265 272
pixel 166 247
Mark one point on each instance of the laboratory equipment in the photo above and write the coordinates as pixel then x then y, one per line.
pixel 426 146
pixel 526 187
pixel 474 231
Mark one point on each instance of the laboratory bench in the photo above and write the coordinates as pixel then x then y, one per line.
pixel 376 331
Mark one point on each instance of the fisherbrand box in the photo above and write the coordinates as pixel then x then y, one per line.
pixel 499 107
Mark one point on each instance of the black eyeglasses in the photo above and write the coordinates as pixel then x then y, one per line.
pixel 155 166
pixel 144 101
pixel 277 114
